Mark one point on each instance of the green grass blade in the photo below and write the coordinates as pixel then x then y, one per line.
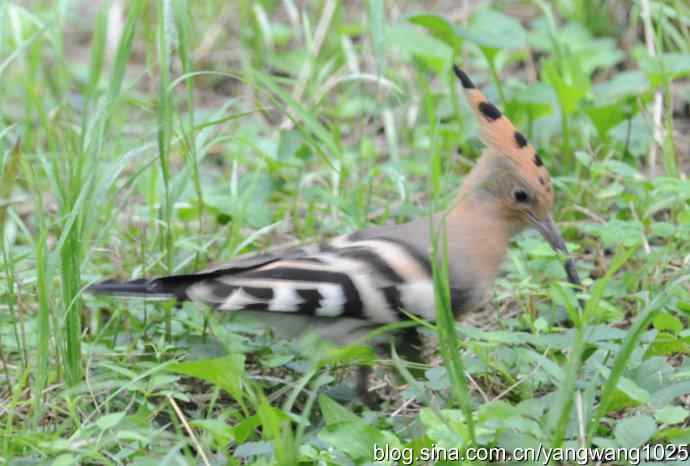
pixel 165 119
pixel 165 122
pixel 448 337
pixel 562 412
pixel 629 344
pixel 560 416
pixel 376 20
pixel 9 168
pixel 43 338
pixel 124 49
pixel 308 119
pixel 620 259
pixel 182 20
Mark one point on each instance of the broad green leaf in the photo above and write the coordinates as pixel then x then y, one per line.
pixel 536 99
pixel 248 449
pixel 246 427
pixel 663 229
pixel 334 413
pixel 616 231
pixel 290 142
pixel 553 370
pixel 622 169
pixel 625 84
pixel 667 321
pixel 629 387
pixel 671 415
pixel 634 431
pixel 497 409
pixel 438 27
pixel 65 459
pixel 412 43
pixel 600 53
pixel 110 420
pixel 226 372
pixel 354 438
pixel 494 30
pixel 667 344
pixel 634 134
pixel 446 428
pixel 665 67
pixel 606 117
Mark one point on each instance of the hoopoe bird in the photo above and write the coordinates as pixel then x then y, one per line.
pixel 378 274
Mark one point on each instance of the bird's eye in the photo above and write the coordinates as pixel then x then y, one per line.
pixel 520 195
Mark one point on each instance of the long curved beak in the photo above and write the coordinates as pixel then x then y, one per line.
pixel 549 231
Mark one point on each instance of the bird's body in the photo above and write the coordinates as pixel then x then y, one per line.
pixel 374 274
pixel 371 274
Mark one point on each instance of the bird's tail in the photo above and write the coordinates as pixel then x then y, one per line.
pixel 174 286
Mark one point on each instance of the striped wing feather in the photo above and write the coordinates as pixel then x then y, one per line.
pixel 369 279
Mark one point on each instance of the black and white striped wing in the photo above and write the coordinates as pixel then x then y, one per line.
pixel 368 279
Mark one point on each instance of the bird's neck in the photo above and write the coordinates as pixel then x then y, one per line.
pixel 478 237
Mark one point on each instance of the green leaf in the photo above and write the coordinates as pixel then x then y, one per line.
pixel 625 84
pixel 354 438
pixel 623 169
pixel 222 433
pixel 110 420
pixel 568 81
pixel 272 419
pixel 289 144
pixel 242 431
pixel 412 43
pixel 497 409
pixel 667 344
pixel 667 321
pixel 439 28
pixel 65 459
pixel 634 134
pixel 350 354
pixel 606 117
pixel 226 372
pixel 494 30
pixel 669 393
pixel 537 99
pixel 334 413
pixel 446 428
pixel 600 53
pixel 665 67
pixel 634 431
pixel 671 415
pixel 631 389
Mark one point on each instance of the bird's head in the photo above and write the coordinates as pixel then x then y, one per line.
pixel 511 172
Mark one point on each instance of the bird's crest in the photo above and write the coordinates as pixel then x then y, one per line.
pixel 498 132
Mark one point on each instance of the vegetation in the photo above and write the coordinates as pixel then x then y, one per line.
pixel 140 138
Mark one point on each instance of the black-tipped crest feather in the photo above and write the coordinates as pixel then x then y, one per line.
pixel 464 79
